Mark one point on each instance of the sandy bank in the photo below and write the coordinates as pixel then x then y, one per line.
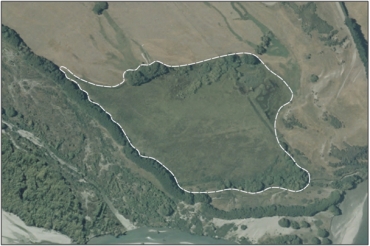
pixel 15 231
pixel 345 231
pixel 256 228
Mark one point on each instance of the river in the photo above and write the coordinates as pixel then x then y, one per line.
pixel 352 226
pixel 157 236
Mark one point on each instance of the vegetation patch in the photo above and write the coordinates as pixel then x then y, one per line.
pixel 187 116
pixel 270 41
pixel 305 224
pixel 310 20
pixel 352 167
pixel 273 210
pixel 335 122
pixel 358 37
pixel 99 7
pixel 286 239
pixel 331 39
pixel 351 156
pixel 322 233
pixel 294 225
pixel 45 195
pixel 291 121
pixel 284 222
pixel 315 240
pixel 314 78
pixel 223 230
pixel 326 241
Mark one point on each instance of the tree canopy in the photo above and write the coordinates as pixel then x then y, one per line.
pixel 99 7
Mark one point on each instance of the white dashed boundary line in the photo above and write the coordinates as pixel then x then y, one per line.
pixel 149 157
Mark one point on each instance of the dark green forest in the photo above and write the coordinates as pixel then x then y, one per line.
pixel 35 190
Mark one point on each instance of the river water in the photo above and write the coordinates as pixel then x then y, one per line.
pixel 352 226
pixel 157 236
pixel 349 228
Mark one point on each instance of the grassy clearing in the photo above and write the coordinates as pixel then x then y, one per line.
pixel 210 123
pixel 122 43
pixel 277 49
pixel 238 37
pixel 292 75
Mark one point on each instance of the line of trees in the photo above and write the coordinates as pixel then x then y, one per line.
pixel 359 39
pixel 358 36
pixel 273 210
pixel 286 239
pixel 146 74
pixel 211 70
pixel 282 173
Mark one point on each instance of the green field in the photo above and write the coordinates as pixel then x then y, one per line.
pixel 211 124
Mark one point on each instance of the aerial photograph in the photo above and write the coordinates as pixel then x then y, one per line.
pixel 184 122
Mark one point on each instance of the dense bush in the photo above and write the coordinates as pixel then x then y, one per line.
pixel 335 122
pixel 272 210
pixel 344 8
pixel 326 241
pixel 314 78
pixel 305 224
pixel 39 192
pixel 358 36
pixel 315 240
pixel 99 7
pixel 291 121
pixel 11 112
pixel 309 18
pixel 284 222
pixel 245 241
pixel 294 225
pixel 146 74
pixel 347 183
pixel 322 233
pixel 360 41
pixel 250 59
pixel 286 239
pixel 260 49
pixel 334 210
pixel 353 159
